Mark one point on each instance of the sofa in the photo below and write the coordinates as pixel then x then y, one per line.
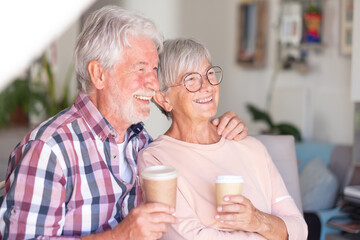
pixel 324 170
pixel 281 149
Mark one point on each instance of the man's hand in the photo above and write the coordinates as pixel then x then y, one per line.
pixel 231 126
pixel 148 221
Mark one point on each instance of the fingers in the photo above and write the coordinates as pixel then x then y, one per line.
pixel 163 218
pixel 159 213
pixel 231 208
pixel 215 121
pixel 235 130
pixel 147 221
pixel 157 207
pixel 236 199
pixel 238 214
pixel 237 204
pixel 223 122
pixel 231 126
pixel 244 132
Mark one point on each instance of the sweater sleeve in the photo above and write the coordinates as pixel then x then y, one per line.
pixel 283 205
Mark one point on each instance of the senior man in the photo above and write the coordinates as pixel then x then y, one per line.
pixel 75 174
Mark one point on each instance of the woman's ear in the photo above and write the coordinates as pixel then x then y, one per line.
pixel 163 101
pixel 96 72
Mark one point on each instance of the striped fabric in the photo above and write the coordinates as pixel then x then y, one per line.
pixel 64 176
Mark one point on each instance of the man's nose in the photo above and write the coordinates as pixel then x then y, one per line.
pixel 151 81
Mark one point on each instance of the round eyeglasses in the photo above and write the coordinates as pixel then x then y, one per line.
pixel 193 81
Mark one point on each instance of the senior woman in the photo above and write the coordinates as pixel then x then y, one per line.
pixel 189 95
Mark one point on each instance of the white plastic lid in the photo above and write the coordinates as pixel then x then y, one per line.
pixel 229 179
pixel 159 173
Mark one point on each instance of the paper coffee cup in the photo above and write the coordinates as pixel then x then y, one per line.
pixel 159 184
pixel 227 185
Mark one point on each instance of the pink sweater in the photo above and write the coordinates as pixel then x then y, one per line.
pixel 199 165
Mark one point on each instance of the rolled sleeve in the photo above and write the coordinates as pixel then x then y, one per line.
pixel 35 202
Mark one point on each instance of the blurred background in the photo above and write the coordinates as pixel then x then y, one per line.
pixel 290 66
pixel 307 84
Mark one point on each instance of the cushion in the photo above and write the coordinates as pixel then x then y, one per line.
pixel 307 151
pixel 318 186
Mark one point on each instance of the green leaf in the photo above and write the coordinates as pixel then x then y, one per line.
pixel 259 115
pixel 289 129
pixel 280 128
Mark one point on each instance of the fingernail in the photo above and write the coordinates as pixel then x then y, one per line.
pixel 217 217
pixel 219 209
pixel 226 199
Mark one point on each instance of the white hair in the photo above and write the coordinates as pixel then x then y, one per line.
pixel 104 36
pixel 178 57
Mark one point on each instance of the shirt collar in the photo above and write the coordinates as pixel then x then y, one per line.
pixel 98 123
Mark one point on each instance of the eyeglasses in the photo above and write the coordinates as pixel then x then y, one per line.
pixel 193 81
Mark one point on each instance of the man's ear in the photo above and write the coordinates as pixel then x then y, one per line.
pixel 96 72
pixel 161 99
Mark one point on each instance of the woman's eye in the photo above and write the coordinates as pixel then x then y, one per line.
pixel 211 72
pixel 189 79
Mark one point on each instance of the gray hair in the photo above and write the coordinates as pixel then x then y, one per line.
pixel 178 57
pixel 104 36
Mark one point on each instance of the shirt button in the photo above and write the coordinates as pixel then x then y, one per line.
pixel 113 134
pixel 114 156
pixel 13 211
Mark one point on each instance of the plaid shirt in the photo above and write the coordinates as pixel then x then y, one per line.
pixel 64 176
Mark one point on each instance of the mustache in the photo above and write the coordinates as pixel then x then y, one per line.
pixel 145 92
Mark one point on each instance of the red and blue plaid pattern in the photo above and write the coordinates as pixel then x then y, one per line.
pixel 63 177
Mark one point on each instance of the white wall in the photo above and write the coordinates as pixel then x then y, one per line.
pixel 355 83
pixel 322 97
pixel 319 103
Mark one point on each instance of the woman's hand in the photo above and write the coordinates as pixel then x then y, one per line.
pixel 241 215
pixel 231 126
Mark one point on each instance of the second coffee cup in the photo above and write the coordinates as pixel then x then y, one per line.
pixel 227 185
pixel 159 184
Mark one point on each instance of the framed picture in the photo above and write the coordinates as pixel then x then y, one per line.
pixel 252 19
pixel 346 25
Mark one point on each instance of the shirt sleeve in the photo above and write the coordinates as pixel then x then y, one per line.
pixel 189 226
pixel 34 204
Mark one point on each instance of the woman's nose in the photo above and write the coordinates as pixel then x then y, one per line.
pixel 205 82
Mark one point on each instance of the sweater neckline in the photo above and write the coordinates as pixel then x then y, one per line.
pixel 193 145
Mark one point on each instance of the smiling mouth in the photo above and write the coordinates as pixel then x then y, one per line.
pixel 204 100
pixel 141 97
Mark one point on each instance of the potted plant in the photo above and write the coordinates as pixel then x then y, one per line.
pixel 33 95
pixel 273 128
pixel 19 99
pixel 54 104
